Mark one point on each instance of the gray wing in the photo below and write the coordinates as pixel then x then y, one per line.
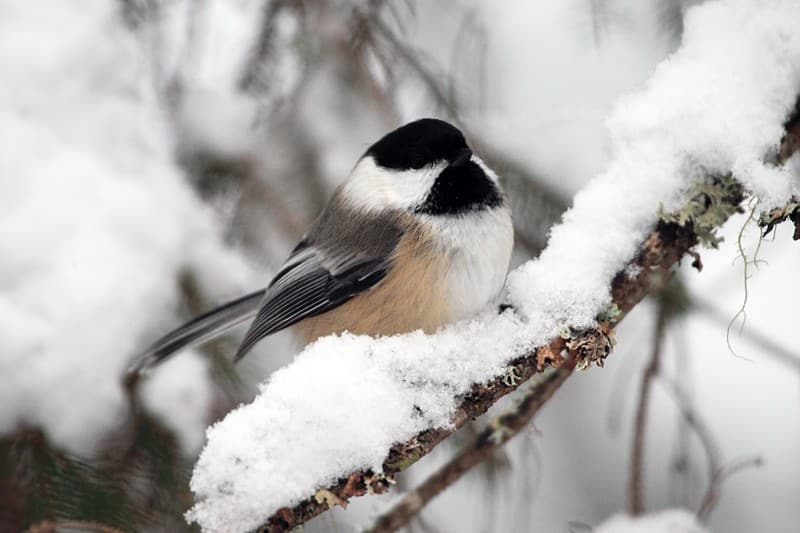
pixel 336 261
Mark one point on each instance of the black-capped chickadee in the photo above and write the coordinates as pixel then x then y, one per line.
pixel 418 235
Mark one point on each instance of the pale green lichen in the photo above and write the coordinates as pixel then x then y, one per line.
pixel 512 377
pixel 709 204
pixel 742 312
pixel 610 314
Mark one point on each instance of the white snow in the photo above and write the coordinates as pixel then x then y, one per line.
pixel 668 521
pixel 96 223
pixel 713 107
pixel 339 407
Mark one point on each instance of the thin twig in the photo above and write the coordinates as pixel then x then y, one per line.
pixel 263 47
pixel 680 463
pixel 721 475
pixel 718 473
pixel 490 439
pixel 412 58
pixel 635 487
pixel 700 429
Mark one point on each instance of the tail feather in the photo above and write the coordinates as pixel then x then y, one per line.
pixel 201 329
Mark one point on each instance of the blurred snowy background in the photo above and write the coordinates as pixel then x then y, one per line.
pixel 161 156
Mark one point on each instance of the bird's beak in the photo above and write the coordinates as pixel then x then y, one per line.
pixel 462 157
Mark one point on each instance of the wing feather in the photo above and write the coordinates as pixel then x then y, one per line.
pixel 309 287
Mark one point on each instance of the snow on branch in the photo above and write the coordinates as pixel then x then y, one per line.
pixel 351 411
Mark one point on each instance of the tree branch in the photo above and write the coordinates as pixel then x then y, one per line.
pixel 635 489
pixel 660 252
pixel 657 255
pixel 721 474
pixel 493 437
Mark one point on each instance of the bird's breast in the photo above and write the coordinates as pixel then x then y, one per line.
pixel 478 248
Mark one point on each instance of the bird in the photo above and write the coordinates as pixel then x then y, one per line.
pixel 418 235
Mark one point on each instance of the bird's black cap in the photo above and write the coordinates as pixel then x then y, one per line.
pixel 418 144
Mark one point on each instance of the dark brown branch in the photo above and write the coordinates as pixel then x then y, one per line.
pixel 635 487
pixel 493 437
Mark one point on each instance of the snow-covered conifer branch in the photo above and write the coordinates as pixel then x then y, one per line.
pixel 660 252
pixel 686 150
pixel 658 255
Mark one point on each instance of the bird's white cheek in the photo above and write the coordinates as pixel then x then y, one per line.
pixel 479 248
pixel 374 188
